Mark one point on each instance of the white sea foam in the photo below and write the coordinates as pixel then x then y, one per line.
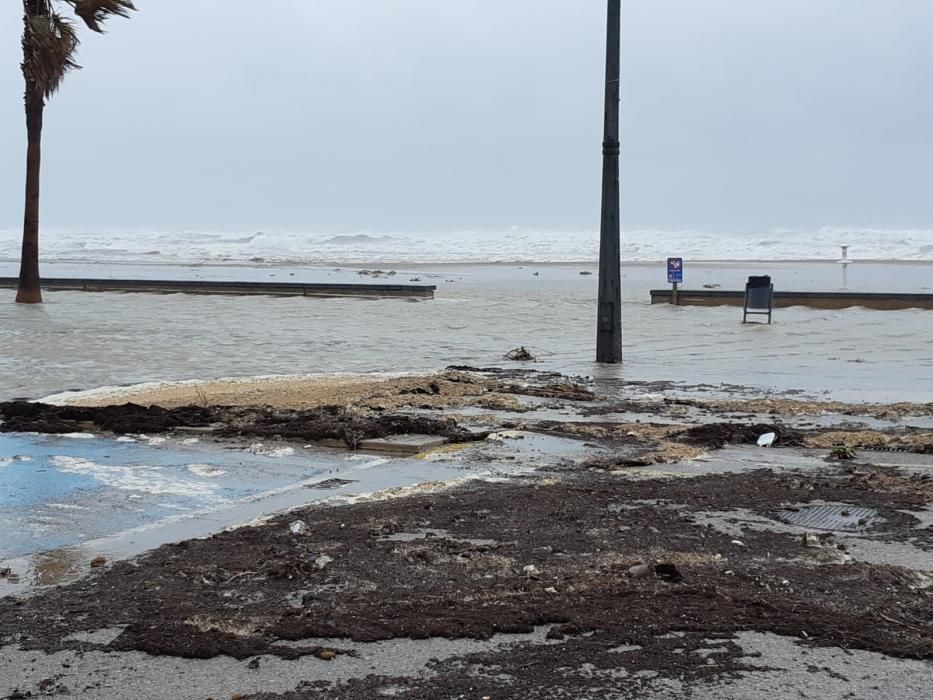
pixel 257 448
pixel 369 461
pixel 139 478
pixel 7 461
pixel 514 245
pixel 205 470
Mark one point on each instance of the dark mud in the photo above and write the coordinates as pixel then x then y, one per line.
pixel 717 435
pixel 335 423
pixel 454 564
pixel 326 423
pixel 23 416
pixel 565 391
pixel 527 382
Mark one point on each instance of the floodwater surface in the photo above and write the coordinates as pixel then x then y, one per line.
pixel 70 498
pixel 79 340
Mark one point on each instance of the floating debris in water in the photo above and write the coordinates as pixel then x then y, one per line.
pixel 520 354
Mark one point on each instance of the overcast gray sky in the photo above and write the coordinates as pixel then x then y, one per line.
pixel 345 115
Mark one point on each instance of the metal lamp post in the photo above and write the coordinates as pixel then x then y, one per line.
pixel 609 319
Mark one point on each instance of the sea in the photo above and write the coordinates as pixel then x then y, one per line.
pixel 491 246
pixel 496 290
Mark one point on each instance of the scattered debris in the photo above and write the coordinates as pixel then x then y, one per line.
pixel 842 452
pixel 336 423
pixel 299 527
pixel 767 440
pixel 668 572
pixel 721 434
pixel 463 584
pixel 532 571
pixel 25 417
pixel 567 391
pixel 520 354
pixel 98 561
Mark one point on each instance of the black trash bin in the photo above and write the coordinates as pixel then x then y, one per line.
pixel 759 295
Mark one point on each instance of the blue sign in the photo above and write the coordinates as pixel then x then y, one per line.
pixel 675 270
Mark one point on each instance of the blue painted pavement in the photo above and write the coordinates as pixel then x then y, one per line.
pixel 59 491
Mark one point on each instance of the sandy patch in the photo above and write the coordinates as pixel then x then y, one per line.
pixel 300 392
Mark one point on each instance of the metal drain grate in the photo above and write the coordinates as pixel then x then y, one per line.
pixel 830 517
pixel 330 484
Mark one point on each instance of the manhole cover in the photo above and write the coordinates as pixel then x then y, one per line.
pixel 829 517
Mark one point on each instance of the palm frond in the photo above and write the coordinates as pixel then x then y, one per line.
pixel 96 12
pixel 49 45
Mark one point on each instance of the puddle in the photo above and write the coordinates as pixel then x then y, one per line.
pixel 64 502
pixel 525 450
pixel 58 492
pixel 872 548
pixel 735 460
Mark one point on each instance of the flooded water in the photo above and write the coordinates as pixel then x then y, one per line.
pixel 54 490
pixel 79 341
pixel 67 499
pixel 64 500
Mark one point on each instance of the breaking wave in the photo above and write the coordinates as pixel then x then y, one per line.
pixel 514 245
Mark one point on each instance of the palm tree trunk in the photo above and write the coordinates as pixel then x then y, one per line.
pixel 29 291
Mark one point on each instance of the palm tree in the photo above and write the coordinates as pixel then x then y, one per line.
pixel 49 46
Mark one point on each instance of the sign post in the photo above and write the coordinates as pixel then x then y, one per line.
pixel 844 261
pixel 675 276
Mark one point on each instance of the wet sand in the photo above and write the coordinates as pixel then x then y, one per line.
pixel 372 391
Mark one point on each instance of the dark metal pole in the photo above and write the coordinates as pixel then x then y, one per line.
pixel 609 321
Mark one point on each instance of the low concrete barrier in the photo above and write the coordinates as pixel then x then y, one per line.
pixel 310 289
pixel 816 300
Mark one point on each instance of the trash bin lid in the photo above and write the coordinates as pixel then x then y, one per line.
pixel 755 282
